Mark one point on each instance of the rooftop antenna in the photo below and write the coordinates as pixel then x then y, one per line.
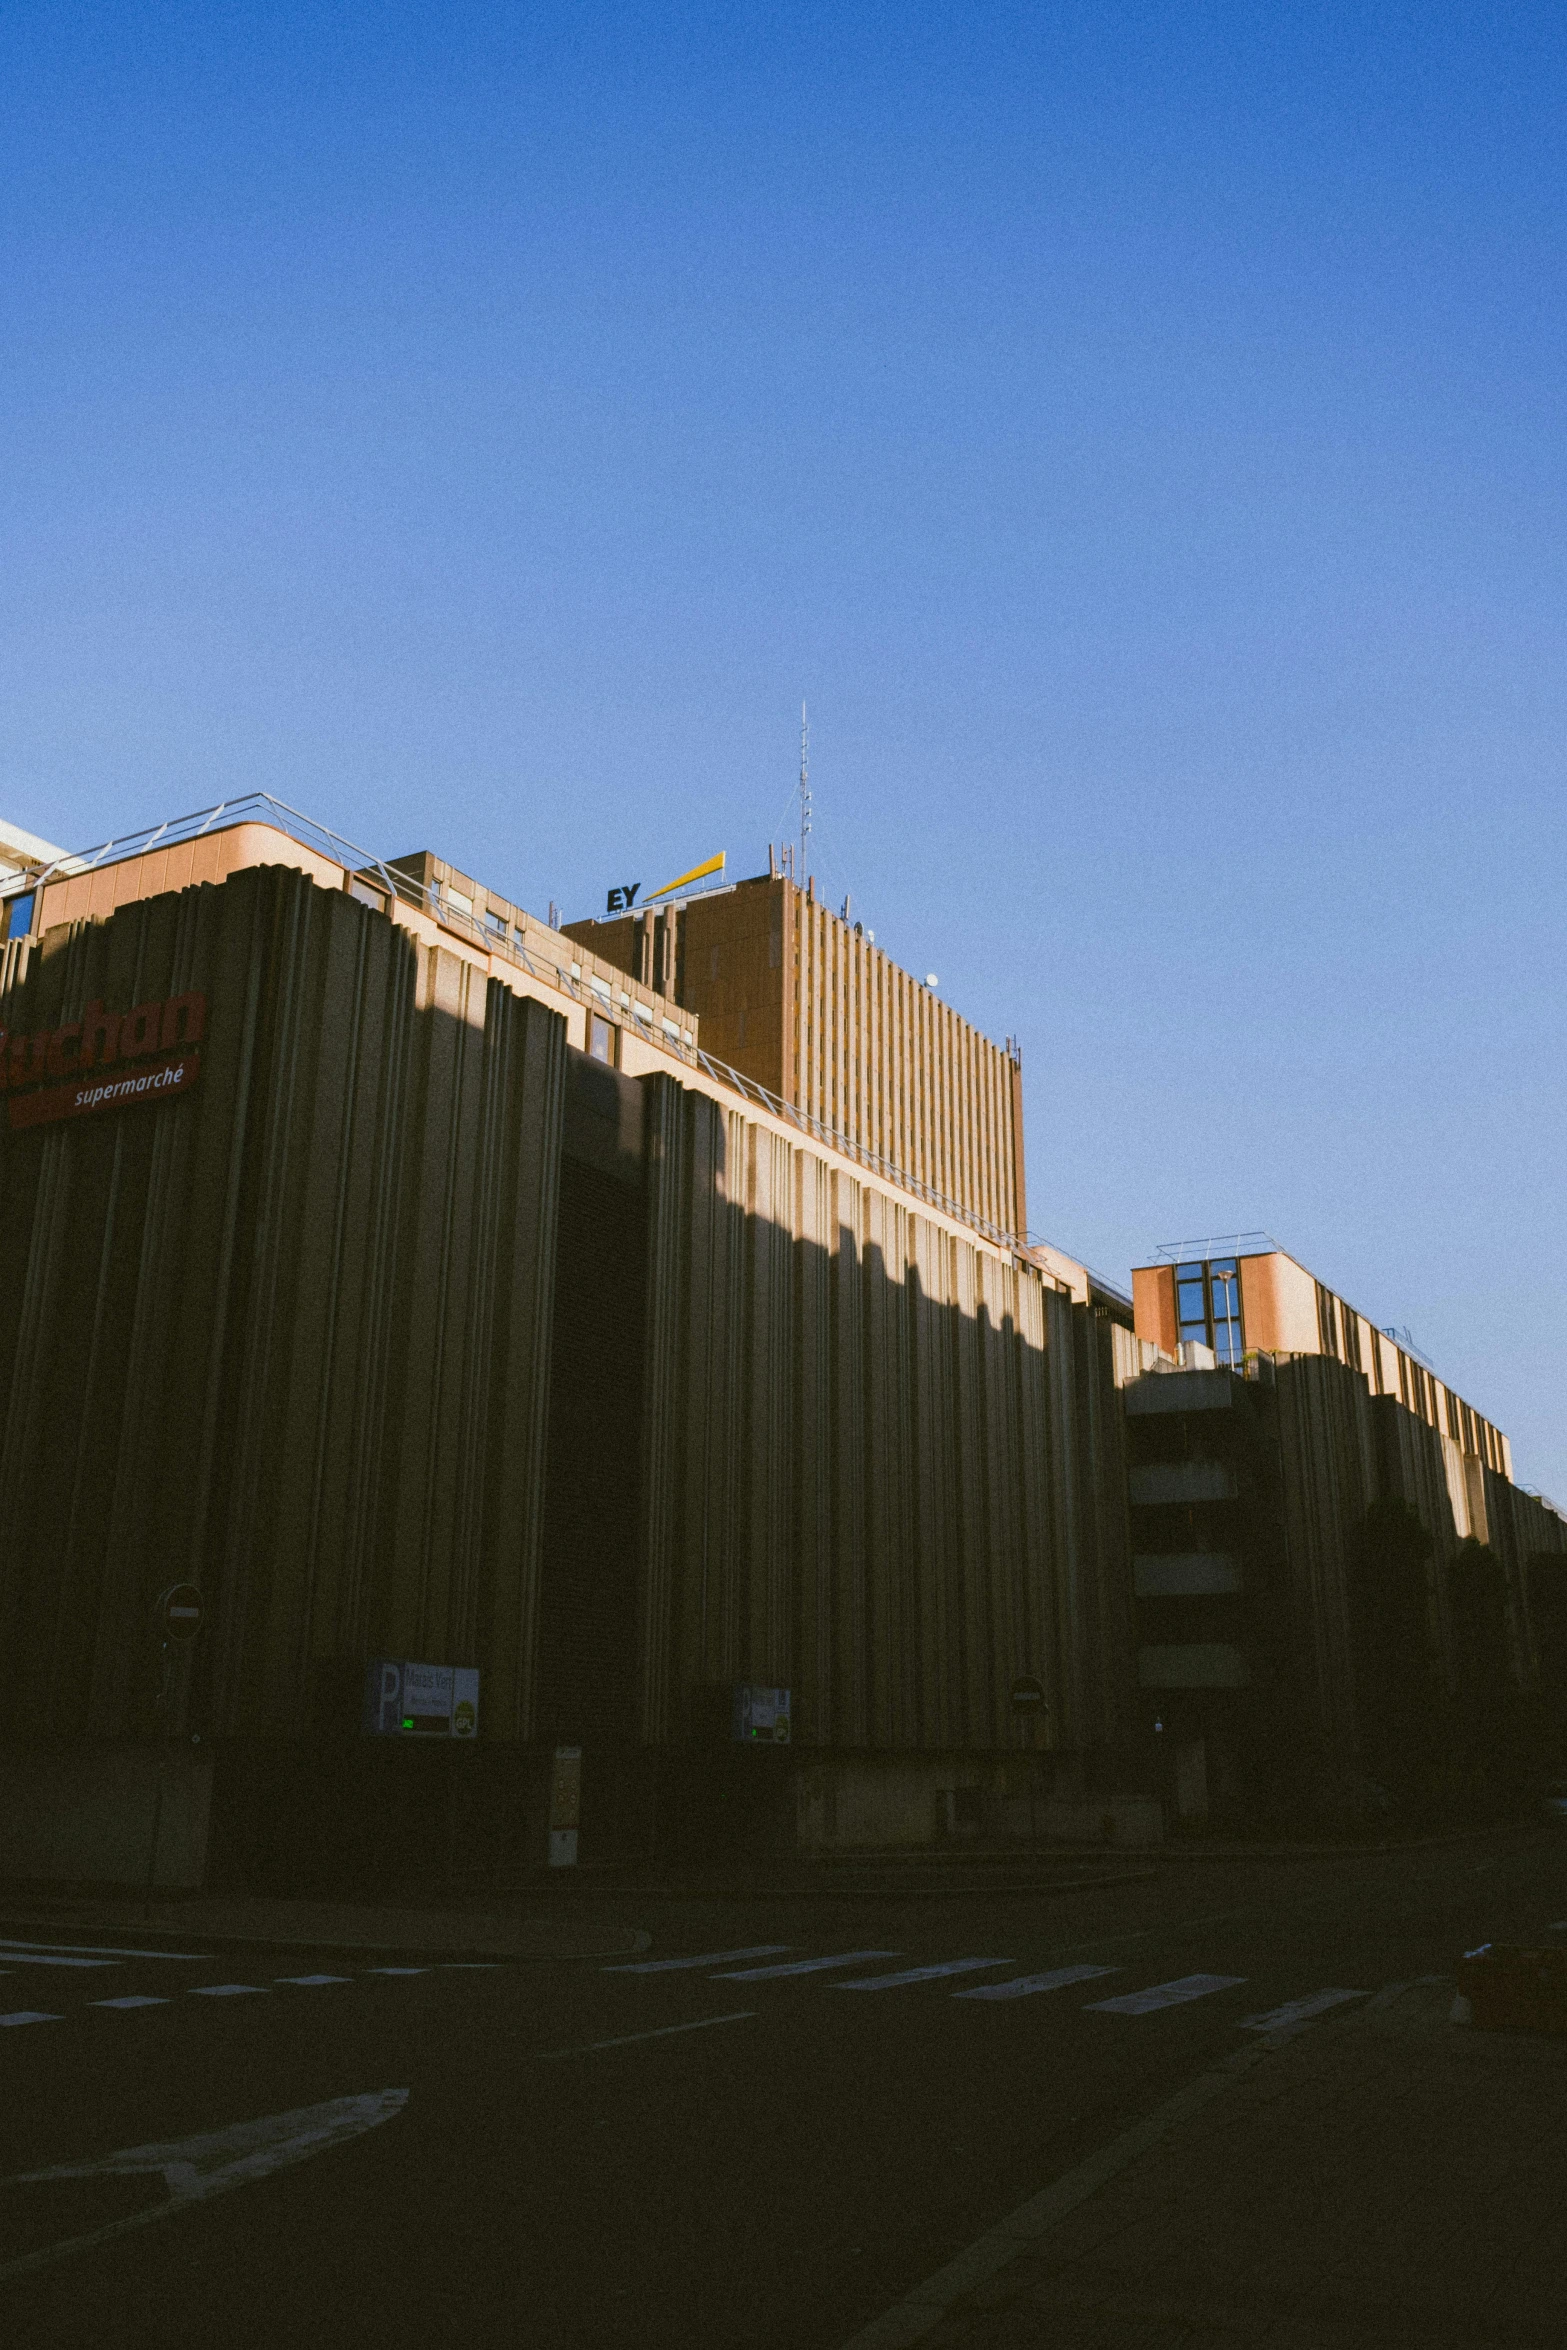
pixel 805 787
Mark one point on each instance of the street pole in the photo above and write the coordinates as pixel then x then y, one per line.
pixel 157 1801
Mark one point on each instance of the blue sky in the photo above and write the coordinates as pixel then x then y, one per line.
pixel 1139 431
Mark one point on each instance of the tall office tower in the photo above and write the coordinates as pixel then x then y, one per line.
pixel 806 1005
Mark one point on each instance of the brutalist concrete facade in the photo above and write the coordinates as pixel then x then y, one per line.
pixel 401 1327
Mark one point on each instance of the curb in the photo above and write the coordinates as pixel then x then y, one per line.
pixel 635 1940
pixel 909 2320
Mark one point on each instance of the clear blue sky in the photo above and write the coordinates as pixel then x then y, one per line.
pixel 1140 431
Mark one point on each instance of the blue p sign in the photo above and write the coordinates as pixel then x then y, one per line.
pixel 390 1705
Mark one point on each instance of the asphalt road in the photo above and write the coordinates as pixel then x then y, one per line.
pixel 592 2154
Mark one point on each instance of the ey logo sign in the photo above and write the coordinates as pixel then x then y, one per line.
pixel 623 899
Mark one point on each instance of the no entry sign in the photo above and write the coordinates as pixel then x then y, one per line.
pixel 180 1611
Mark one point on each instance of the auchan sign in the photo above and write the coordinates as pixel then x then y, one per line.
pixel 103 1061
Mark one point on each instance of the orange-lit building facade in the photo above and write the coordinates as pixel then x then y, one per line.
pixel 1263 1302
pixel 805 1004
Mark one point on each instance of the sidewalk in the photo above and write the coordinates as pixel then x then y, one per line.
pixel 597 1928
pixel 1385 2180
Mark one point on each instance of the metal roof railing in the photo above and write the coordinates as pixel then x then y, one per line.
pixel 263 808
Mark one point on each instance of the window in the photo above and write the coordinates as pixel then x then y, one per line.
pixel 601 1039
pixel 459 898
pixel 495 924
pixel 1224 1291
pixel 1208 1307
pixel 19 912
pixel 366 893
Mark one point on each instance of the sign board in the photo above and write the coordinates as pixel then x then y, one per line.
pixel 565 1806
pixel 761 1716
pixel 78 1071
pixel 180 1611
pixel 409 1700
pixel 1028 1696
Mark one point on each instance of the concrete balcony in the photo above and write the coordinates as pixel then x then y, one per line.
pixel 1182 1481
pixel 1185 1574
pixel 1207 1665
pixel 1162 1392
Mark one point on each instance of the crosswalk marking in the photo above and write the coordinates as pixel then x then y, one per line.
pixel 803 1966
pixel 134 1999
pixel 668 1966
pixel 8 1949
pixel 28 2015
pixel 223 1990
pixel 1023 1986
pixel 305 1981
pixel 1163 1995
pixel 54 1958
pixel 923 1974
pixel 1298 2011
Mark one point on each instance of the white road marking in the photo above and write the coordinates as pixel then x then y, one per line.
pixel 306 1980
pixel 1163 1995
pixel 803 1966
pixel 105 1950
pixel 1023 1986
pixel 224 1990
pixel 669 1966
pixel 923 1974
pixel 196 2169
pixel 397 1970
pixel 1298 2011
pixel 54 1958
pixel 135 1999
pixel 665 2032
pixel 28 2015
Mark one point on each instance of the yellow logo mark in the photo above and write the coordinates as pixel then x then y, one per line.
pixel 697 873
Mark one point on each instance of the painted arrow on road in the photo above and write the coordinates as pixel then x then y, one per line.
pixel 195 2169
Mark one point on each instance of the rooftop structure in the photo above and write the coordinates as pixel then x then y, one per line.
pixel 805 1002
pixel 1239 1300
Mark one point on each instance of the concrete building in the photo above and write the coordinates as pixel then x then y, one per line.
pixel 413 1282
pixel 1255 1458
pixel 350 1276
pixel 808 1007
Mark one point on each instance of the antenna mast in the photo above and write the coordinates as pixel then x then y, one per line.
pixel 805 790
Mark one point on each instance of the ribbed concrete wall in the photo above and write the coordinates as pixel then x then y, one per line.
pixel 287 1335
pixel 1522 1532
pixel 1328 1476
pixel 882 1465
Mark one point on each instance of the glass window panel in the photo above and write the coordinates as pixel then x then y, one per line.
pixel 1188 1272
pixel 1190 1303
pixel 1222 1265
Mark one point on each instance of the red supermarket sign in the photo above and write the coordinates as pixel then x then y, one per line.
pixel 104 1061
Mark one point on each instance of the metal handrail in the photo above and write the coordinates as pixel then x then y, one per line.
pixel 264 808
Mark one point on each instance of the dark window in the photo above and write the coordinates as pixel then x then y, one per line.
pixel 601 1039
pixel 496 923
